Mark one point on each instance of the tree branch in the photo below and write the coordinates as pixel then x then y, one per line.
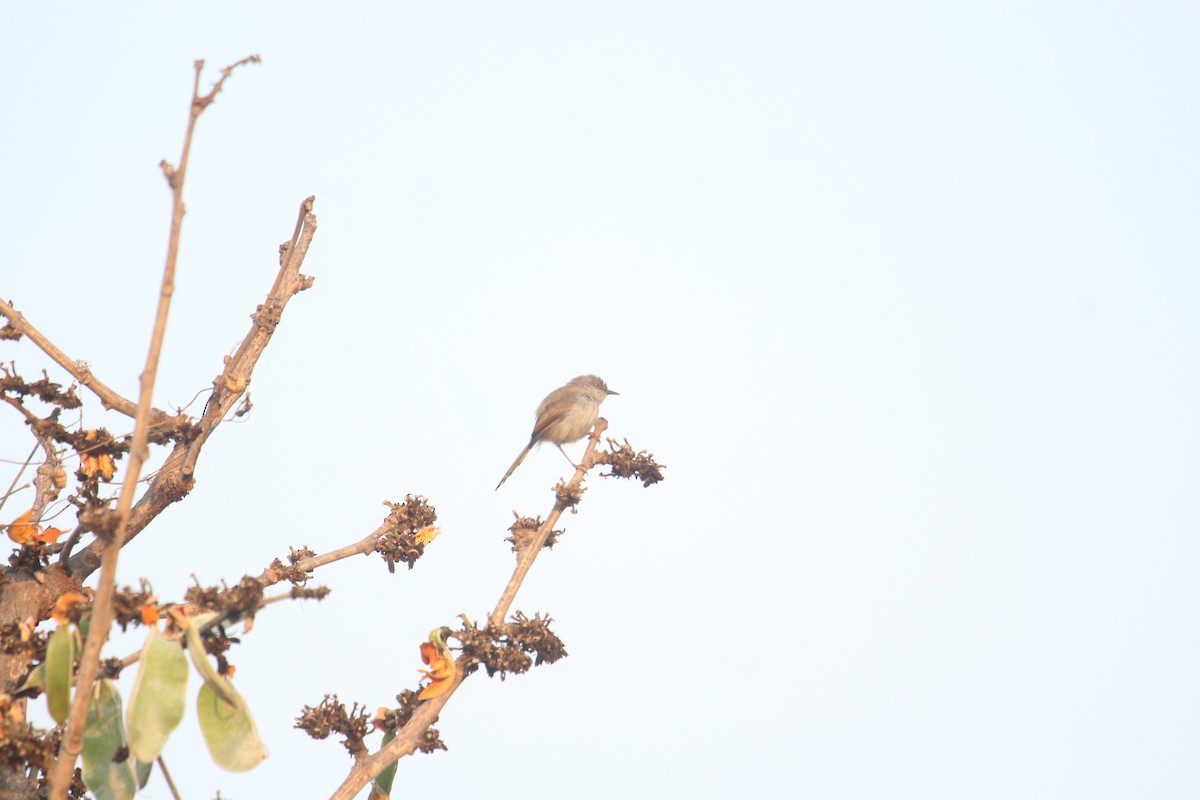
pixel 566 497
pixel 175 479
pixel 79 370
pixel 12 487
pixel 72 742
pixel 366 545
pixel 409 737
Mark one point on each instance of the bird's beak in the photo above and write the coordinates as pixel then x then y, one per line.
pixel 610 391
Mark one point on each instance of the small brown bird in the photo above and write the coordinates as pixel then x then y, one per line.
pixel 566 415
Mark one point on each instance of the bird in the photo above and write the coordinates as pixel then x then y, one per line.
pixel 565 415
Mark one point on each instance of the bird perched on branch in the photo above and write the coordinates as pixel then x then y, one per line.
pixel 566 415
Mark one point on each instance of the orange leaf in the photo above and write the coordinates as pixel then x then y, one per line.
pixel 149 614
pixel 64 604
pixel 50 535
pixel 435 689
pixel 21 532
pixel 440 672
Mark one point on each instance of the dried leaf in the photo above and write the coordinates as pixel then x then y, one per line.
pixel 50 535
pixel 21 532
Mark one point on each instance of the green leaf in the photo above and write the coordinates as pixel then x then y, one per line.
pixel 225 720
pixel 102 738
pixel 228 728
pixel 60 655
pixel 159 696
pixel 35 679
pixel 381 787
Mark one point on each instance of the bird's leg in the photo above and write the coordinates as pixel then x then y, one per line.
pixel 567 457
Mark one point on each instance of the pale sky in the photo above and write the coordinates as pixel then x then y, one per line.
pixel 904 296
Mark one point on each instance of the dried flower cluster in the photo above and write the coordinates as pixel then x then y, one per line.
pixel 409 527
pixel 330 717
pixel 18 638
pixel 625 463
pixel 129 605
pixel 392 720
pixel 236 602
pixel 525 528
pixel 22 747
pixel 513 647
pixel 292 573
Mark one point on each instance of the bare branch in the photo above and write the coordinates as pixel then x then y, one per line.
pixel 79 370
pixel 46 488
pixel 566 497
pixel 12 487
pixel 72 742
pixel 225 73
pixel 162 765
pixel 272 575
pixel 175 478
pixel 231 384
pixel 397 539
pixel 411 735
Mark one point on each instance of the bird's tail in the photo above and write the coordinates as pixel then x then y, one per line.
pixel 515 464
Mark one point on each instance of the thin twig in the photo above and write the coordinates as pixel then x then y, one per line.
pixel 78 369
pixel 17 477
pixel 231 384
pixel 102 610
pixel 526 557
pixel 363 546
pixel 45 489
pixel 14 490
pixel 170 783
